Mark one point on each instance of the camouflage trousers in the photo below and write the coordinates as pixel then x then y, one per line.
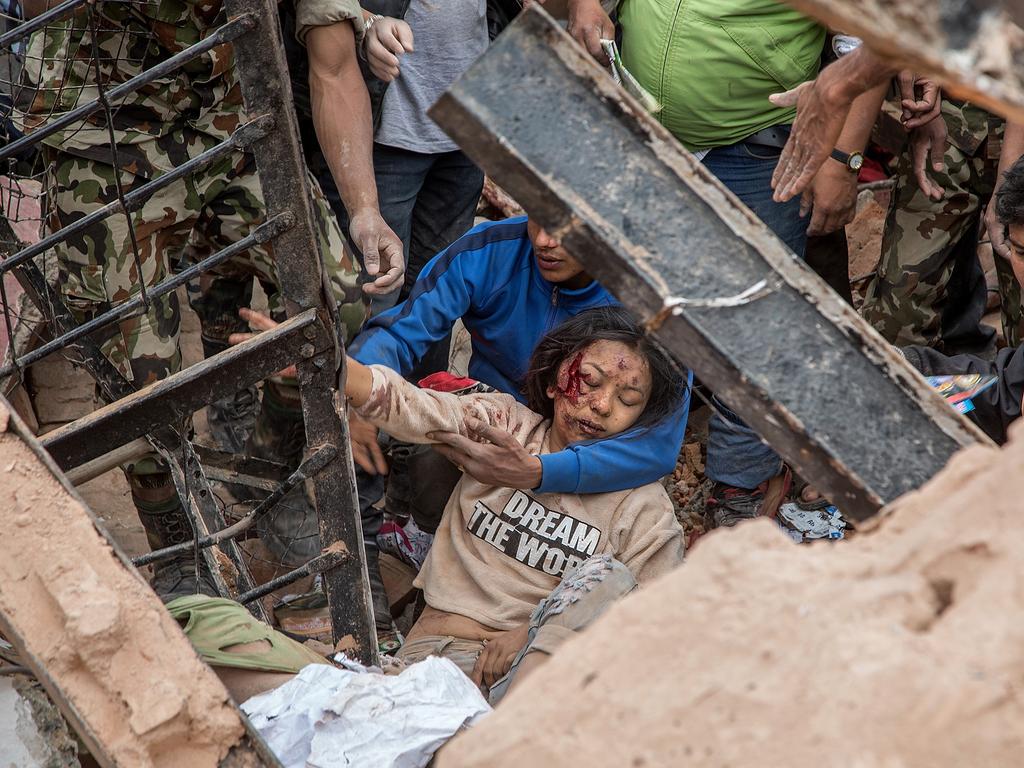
pixel 216 206
pixel 929 243
pixel 193 217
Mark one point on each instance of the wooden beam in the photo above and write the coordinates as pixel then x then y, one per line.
pixel 670 241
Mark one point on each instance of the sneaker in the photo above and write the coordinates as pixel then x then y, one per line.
pixel 406 542
pixel 178 578
pixel 728 505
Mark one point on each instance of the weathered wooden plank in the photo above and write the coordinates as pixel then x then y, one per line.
pixel 653 225
pixel 974 47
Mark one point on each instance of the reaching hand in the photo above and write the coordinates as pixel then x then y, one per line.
pixel 386 40
pixel 496 658
pixel 812 138
pixel 365 449
pixel 588 25
pixel 259 322
pixel 996 231
pixel 382 250
pixel 918 111
pixel 500 461
pixel 928 143
pixel 831 198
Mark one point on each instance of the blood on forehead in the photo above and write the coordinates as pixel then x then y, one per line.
pixel 569 379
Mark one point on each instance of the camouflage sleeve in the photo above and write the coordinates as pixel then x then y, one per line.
pixel 321 13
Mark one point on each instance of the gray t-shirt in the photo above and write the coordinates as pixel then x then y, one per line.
pixel 448 35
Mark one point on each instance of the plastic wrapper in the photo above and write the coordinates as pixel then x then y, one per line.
pixel 328 718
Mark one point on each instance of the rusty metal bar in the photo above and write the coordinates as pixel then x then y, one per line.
pixel 266 88
pixel 309 468
pixel 198 501
pixel 136 305
pixel 227 33
pixel 322 563
pixel 180 394
pixel 75 611
pixel 244 136
pixel 677 248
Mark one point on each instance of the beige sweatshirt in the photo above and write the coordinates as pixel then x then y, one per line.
pixel 500 551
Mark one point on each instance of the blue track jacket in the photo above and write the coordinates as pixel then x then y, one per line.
pixel 489 278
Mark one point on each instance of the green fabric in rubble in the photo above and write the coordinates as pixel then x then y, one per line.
pixel 213 624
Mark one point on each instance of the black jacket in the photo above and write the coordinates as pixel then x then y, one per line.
pixel 997 406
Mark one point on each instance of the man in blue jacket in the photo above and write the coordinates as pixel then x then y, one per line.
pixel 510 282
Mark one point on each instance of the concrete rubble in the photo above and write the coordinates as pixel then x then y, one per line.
pixel 902 647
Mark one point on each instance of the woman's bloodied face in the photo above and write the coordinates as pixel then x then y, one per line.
pixel 600 392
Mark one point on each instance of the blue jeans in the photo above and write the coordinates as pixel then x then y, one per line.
pixel 736 455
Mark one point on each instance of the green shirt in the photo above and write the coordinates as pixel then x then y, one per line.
pixel 713 63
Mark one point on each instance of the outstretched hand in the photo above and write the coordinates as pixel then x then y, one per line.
pixel 383 254
pixel 259 322
pixel 499 461
pixel 812 138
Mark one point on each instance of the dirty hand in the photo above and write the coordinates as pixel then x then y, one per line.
pixel 366 450
pixel 383 255
pixel 928 143
pixel 258 322
pixel 588 25
pixel 501 461
pixel 496 658
pixel 918 111
pixel 831 199
pixel 387 40
pixel 996 231
pixel 819 121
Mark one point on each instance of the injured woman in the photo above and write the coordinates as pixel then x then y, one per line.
pixel 512 574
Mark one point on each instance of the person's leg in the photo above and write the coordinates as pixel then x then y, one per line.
pixel 577 602
pixel 97 271
pixel 400 175
pixel 444 212
pixel 905 300
pixel 741 465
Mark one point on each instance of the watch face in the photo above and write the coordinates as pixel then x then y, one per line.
pixel 856 161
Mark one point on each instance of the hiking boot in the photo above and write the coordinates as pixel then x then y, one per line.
pixel 233 419
pixel 728 505
pixel 279 434
pixel 291 530
pixel 178 578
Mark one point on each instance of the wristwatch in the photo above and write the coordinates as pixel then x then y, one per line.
pixel 853 161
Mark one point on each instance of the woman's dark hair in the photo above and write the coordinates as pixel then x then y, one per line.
pixel 1010 197
pixel 607 324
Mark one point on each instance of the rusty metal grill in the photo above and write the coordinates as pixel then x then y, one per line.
pixel 85 102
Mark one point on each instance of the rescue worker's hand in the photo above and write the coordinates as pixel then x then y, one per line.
pixel 259 322
pixel 928 144
pixel 500 461
pixel 918 111
pixel 816 128
pixel 366 450
pixel 996 231
pixel 386 40
pixel 496 658
pixel 383 254
pixel 589 25
pixel 831 199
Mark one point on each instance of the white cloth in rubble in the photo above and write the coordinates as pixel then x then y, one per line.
pixel 328 718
